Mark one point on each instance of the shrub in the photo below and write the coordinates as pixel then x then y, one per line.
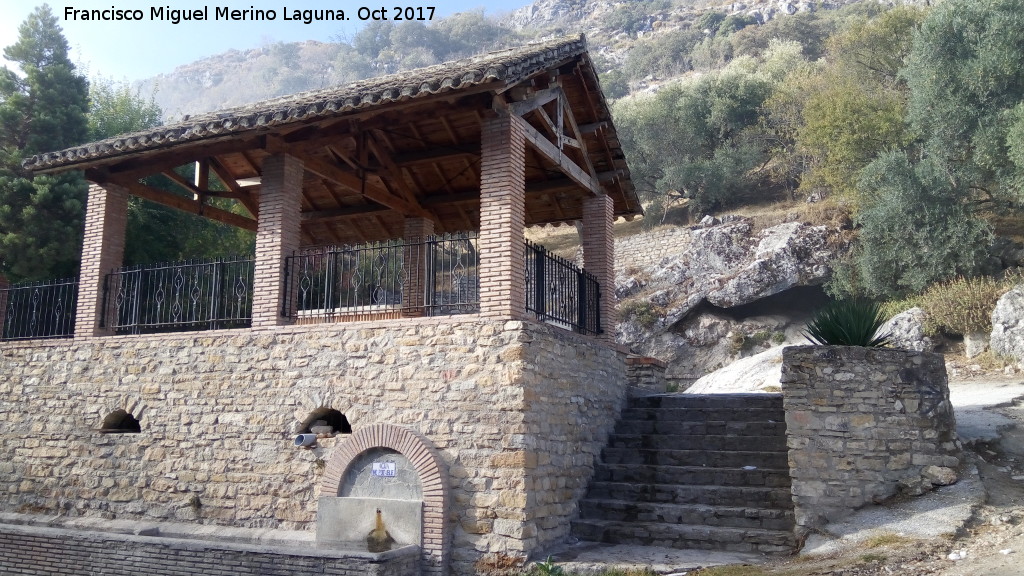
pixel 961 305
pixel 848 323
pixel 646 313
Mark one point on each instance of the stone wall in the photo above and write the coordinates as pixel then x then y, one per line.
pixel 517 410
pixel 644 251
pixel 864 424
pixel 33 550
pixel 645 375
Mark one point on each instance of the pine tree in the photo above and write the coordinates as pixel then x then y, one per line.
pixel 41 109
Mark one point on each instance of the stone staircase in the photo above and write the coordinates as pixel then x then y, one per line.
pixel 694 471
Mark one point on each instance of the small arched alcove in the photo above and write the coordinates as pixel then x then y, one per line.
pixel 323 417
pixel 120 422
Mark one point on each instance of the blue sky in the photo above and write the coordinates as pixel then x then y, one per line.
pixel 129 50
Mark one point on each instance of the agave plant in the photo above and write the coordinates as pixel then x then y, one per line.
pixel 848 323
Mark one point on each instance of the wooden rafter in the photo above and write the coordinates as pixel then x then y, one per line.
pixel 371 190
pixel 189 205
pixel 231 184
pixel 558 158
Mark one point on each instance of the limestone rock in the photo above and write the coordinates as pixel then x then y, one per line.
pixel 1007 338
pixel 673 287
pixel 906 331
pixel 940 475
pixel 975 343
pixel 757 373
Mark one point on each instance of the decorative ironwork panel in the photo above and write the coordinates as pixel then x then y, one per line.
pixel 192 295
pixel 40 310
pixel 438 275
pixel 560 292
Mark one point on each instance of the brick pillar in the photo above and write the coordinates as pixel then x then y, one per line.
pixel 599 255
pixel 106 215
pixel 416 258
pixel 502 218
pixel 277 237
pixel 4 285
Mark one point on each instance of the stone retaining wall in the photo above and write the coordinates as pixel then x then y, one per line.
pixel 645 250
pixel 32 550
pixel 864 424
pixel 517 410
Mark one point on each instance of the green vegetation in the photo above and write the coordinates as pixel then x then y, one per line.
pixel 642 311
pixel 962 305
pixel 848 323
pixel 41 109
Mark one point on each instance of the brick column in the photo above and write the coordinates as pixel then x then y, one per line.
pixel 599 255
pixel 277 236
pixel 502 218
pixel 106 215
pixel 416 258
pixel 4 285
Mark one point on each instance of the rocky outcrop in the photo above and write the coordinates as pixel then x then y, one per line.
pixel 906 331
pixel 758 373
pixel 1007 338
pixel 727 292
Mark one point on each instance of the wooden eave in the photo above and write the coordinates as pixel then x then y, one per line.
pixel 368 168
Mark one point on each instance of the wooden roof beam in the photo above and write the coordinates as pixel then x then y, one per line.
pixel 189 205
pixel 553 154
pixel 371 190
pixel 231 184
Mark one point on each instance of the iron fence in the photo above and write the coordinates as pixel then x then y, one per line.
pixel 434 276
pixel 191 295
pixel 560 292
pixel 39 310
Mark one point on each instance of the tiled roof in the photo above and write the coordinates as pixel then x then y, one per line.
pixel 506 66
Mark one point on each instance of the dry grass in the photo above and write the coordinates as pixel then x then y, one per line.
pixel 884 539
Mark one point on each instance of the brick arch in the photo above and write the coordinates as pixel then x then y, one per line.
pixel 433 477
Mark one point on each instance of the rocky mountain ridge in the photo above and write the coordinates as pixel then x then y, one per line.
pixel 241 76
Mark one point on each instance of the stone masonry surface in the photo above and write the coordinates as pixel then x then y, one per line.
pixel 31 550
pixel 517 410
pixel 864 424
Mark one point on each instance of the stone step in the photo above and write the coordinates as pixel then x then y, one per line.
pixel 710 458
pixel 735 428
pixel 773 443
pixel 685 536
pixel 716 401
pixel 703 415
pixel 695 514
pixel 753 496
pixel 770 477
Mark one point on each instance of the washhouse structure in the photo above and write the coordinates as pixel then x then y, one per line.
pixel 394 352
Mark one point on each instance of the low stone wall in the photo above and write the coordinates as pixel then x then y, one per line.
pixel 517 410
pixel 645 250
pixel 645 375
pixel 32 550
pixel 864 424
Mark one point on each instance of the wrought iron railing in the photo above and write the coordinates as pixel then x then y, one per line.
pixel 435 276
pixel 192 295
pixel 560 292
pixel 39 310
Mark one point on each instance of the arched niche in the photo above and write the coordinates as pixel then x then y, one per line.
pixel 351 466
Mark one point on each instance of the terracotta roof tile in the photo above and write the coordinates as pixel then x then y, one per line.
pixel 506 66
